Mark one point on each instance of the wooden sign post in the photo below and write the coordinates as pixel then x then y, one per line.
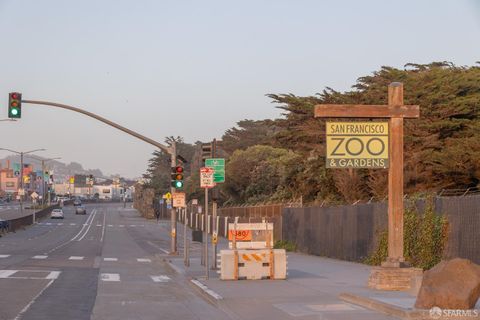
pixel 395 111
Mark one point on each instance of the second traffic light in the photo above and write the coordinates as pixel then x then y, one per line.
pixel 177 177
pixel 14 105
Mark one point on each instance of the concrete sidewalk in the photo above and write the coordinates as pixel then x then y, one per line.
pixel 311 291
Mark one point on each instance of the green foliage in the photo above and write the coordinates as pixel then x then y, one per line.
pixel 285 244
pixel 425 237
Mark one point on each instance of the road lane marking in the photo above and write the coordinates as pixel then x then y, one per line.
pixel 110 277
pixel 19 316
pixel 110 259
pixel 159 248
pixel 90 224
pixel 60 224
pixel 48 223
pixel 133 225
pixel 75 258
pixel 6 273
pixel 110 225
pixel 40 257
pixel 76 236
pixel 121 226
pixel 143 260
pixel 4 256
pixel 53 275
pixel 103 229
pixel 73 224
pixel 99 225
pixel 161 278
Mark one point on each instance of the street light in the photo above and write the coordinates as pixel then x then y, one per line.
pixel 21 153
pixel 43 161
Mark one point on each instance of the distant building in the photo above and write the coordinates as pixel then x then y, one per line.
pixel 8 182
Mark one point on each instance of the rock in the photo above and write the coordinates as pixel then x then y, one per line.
pixel 453 284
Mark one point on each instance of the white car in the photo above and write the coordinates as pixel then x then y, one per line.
pixel 56 214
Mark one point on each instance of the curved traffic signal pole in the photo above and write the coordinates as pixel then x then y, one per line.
pixel 168 150
pixel 172 150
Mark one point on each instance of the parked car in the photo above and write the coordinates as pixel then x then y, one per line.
pixel 57 214
pixel 80 210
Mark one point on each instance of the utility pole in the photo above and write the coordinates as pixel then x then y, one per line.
pixel 214 214
pixel 173 212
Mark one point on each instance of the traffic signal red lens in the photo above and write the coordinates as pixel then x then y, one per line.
pixel 179 169
pixel 14 96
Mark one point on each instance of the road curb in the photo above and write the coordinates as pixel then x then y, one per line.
pixel 383 307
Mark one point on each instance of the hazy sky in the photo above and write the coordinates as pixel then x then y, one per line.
pixel 195 68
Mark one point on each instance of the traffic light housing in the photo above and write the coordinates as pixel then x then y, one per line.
pixel 177 177
pixel 207 151
pixel 14 105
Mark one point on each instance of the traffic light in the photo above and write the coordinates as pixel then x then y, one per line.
pixel 14 105
pixel 207 153
pixel 177 177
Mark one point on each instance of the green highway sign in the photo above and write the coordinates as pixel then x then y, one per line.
pixel 218 165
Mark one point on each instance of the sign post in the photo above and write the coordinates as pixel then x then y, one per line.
pixel 218 166
pixel 358 145
pixel 206 182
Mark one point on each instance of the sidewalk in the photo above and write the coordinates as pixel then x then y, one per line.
pixel 311 291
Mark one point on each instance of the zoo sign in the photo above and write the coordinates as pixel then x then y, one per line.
pixel 357 144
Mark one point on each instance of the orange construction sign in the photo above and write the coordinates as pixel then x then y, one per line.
pixel 242 235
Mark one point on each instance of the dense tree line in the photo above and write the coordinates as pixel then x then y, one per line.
pixel 284 159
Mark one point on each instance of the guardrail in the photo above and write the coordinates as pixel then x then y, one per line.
pixel 13 225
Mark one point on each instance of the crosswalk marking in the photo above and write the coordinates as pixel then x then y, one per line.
pixel 6 273
pixel 160 278
pixel 73 224
pixel 110 259
pixel 4 256
pixel 39 257
pixel 110 277
pixel 99 225
pixel 143 260
pixel 110 225
pixel 53 275
pixel 75 258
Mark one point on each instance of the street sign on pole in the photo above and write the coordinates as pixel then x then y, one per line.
pixel 179 200
pixel 206 178
pixel 218 166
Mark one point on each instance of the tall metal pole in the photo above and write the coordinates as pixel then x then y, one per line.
pixel 206 234
pixel 43 183
pixel 173 215
pixel 21 181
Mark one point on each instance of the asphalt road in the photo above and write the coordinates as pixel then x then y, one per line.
pixel 108 264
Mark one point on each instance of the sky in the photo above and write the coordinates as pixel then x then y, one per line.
pixel 195 68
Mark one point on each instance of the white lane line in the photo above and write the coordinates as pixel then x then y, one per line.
pixel 121 226
pixel 160 278
pixel 67 242
pixel 99 225
pixel 90 224
pixel 6 273
pixel 73 224
pixel 110 277
pixel 4 256
pixel 103 229
pixel 53 275
pixel 159 248
pixel 75 258
pixel 41 257
pixel 110 225
pixel 143 260
pixel 110 259
pixel 133 225
pixel 48 223
pixel 60 224
pixel 19 316
pixel 208 291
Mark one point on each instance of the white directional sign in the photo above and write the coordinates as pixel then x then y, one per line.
pixel 34 195
pixel 206 178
